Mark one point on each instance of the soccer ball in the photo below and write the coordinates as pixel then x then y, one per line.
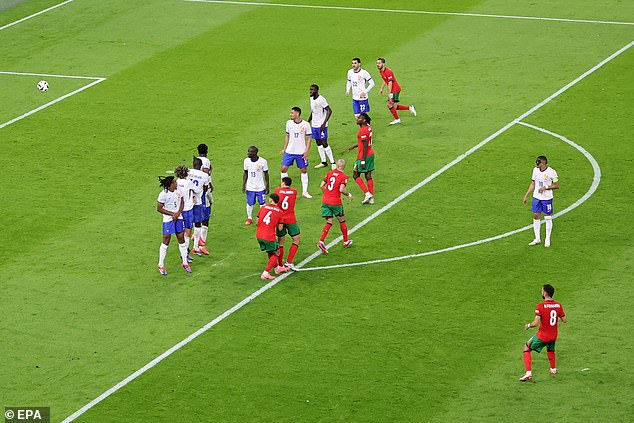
pixel 42 86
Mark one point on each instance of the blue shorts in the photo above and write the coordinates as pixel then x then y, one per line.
pixel 360 106
pixel 198 213
pixel 288 160
pixel 542 206
pixel 252 195
pixel 319 135
pixel 173 227
pixel 188 218
pixel 206 213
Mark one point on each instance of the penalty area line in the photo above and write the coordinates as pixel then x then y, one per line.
pixel 274 282
pixel 35 14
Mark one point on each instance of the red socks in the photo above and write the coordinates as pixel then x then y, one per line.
pixel 361 184
pixel 394 112
pixel 551 358
pixel 401 107
pixel 280 258
pixel 528 361
pixel 291 253
pixel 371 186
pixel 324 231
pixel 272 262
pixel 344 230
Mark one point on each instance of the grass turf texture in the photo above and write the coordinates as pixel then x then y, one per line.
pixel 432 338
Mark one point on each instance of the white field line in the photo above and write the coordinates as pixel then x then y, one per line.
pixel 51 75
pixel 308 259
pixel 417 12
pixel 50 103
pixel 593 187
pixel 35 14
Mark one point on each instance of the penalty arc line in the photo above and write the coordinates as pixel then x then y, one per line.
pixel 593 187
pixel 417 12
pixel 279 279
pixel 35 14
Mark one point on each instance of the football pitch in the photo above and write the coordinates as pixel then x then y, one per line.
pixel 422 318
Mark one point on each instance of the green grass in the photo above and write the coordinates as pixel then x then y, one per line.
pixel 436 338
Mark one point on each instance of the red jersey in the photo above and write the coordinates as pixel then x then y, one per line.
pixel 550 312
pixel 388 76
pixel 364 134
pixel 268 218
pixel 334 180
pixel 288 196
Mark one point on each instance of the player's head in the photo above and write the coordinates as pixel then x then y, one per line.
pixel 380 63
pixel 548 290
pixel 197 163
pixel 296 112
pixel 274 198
pixel 341 164
pixel 286 181
pixel 252 152
pixel 167 182
pixel 202 149
pixel 314 90
pixel 364 119
pixel 356 63
pixel 181 172
pixel 541 162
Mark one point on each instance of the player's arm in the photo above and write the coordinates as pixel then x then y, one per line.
pixel 383 84
pixel 266 181
pixel 534 323
pixel 531 187
pixel 286 139
pixel 348 85
pixel 370 85
pixel 310 118
pixel 160 207
pixel 176 215
pixel 564 319
pixel 344 191
pixel 352 147
pixel 554 185
pixel 328 114
pixel 307 139
pixel 322 186
pixel 365 152
pixel 244 181
pixel 390 94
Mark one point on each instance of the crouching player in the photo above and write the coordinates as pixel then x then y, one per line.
pixel 170 205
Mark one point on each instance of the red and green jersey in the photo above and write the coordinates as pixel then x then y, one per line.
pixel 268 218
pixel 364 134
pixel 288 196
pixel 388 76
pixel 334 180
pixel 550 311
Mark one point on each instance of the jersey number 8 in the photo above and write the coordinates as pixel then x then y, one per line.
pixel 553 317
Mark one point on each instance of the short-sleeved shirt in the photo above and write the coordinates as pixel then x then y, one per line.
pixel 544 179
pixel 318 109
pixel 199 179
pixel 288 196
pixel 388 76
pixel 268 218
pixel 206 163
pixel 297 133
pixel 255 174
pixel 358 81
pixel 187 188
pixel 334 180
pixel 171 201
pixel 364 134
pixel 550 312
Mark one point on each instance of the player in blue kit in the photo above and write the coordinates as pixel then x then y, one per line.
pixel 170 204
pixel 360 81
pixel 297 147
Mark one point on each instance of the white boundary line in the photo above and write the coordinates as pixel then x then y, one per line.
pixel 308 259
pixel 35 14
pixel 418 12
pixel 95 81
pixel 593 187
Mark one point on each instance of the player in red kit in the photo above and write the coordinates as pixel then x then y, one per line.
pixel 394 91
pixel 268 222
pixel 547 315
pixel 288 196
pixel 365 158
pixel 333 185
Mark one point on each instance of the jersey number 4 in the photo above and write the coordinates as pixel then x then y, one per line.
pixel 267 218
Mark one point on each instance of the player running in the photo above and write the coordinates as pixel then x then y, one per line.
pixel 394 91
pixel 201 181
pixel 170 205
pixel 186 188
pixel 320 112
pixel 333 185
pixel 268 223
pixel 543 181
pixel 288 197
pixel 209 199
pixel 547 315
pixel 255 181
pixel 365 158
pixel 297 147
pixel 361 83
